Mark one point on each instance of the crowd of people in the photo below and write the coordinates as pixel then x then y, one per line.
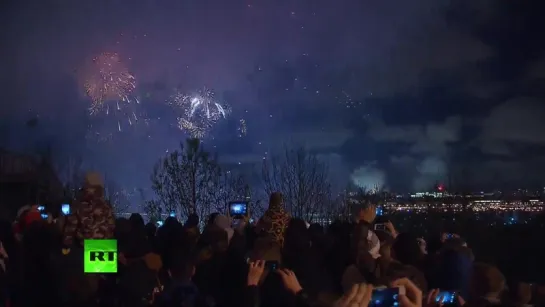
pixel 221 261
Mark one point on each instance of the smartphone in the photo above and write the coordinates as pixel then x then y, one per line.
pixel 386 296
pixel 172 214
pixel 380 227
pixel 159 223
pixel 237 209
pixel 449 236
pixel 41 208
pixel 272 265
pixel 447 298
pixel 378 211
pixel 45 216
pixel 65 209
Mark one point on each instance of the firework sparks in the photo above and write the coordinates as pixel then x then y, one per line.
pixel 110 86
pixel 347 100
pixel 242 128
pixel 195 130
pixel 200 111
pixel 108 79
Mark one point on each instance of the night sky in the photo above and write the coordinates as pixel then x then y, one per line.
pixel 403 93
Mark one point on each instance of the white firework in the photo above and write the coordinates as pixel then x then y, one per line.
pixel 242 128
pixel 200 111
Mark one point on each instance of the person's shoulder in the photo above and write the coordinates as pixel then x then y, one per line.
pixel 350 277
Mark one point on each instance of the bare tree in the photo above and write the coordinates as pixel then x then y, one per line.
pixel 257 208
pixel 245 192
pixel 338 208
pixel 231 186
pixel 187 179
pixel 257 201
pixel 66 170
pixel 117 197
pixel 151 207
pixel 71 175
pixel 301 178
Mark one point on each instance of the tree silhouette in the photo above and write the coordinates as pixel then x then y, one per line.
pixel 231 186
pixel 151 207
pixel 71 175
pixel 301 178
pixel 117 197
pixel 187 179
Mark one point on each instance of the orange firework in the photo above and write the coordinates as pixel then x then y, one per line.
pixel 107 79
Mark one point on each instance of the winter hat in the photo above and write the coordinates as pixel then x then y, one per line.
pixel 31 217
pixel 18 225
pixel 276 200
pixel 275 220
pixel 93 179
pixel 22 210
pixel 222 221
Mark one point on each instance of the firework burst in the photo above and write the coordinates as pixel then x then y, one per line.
pixel 108 79
pixel 201 111
pixel 110 86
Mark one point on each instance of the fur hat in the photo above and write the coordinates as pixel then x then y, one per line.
pixel 222 221
pixel 276 200
pixel 93 179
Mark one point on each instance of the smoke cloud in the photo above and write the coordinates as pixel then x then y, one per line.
pixel 429 171
pixel 368 176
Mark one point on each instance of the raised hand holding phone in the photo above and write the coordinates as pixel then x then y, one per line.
pixel 433 299
pixel 358 296
pixel 437 297
pixel 238 209
pixel 412 296
pixel 255 272
pixel 383 296
pixel 390 227
pixel 447 298
pixel 447 236
pixel 290 280
pixel 380 226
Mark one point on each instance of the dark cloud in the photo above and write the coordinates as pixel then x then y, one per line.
pixel 516 122
pixel 427 148
pixel 537 69
pixel 422 139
